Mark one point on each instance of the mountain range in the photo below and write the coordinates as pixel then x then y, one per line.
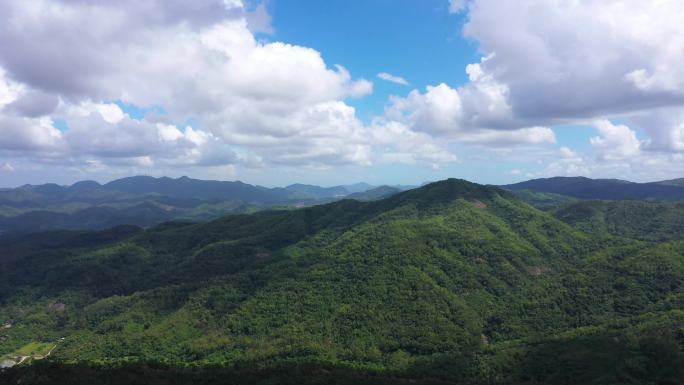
pixel 586 188
pixel 452 282
pixel 145 201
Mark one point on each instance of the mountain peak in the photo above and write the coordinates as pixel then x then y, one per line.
pixel 85 185
pixel 449 190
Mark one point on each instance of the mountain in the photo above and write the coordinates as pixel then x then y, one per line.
pixel 143 214
pixel 543 200
pixel 585 188
pixel 187 188
pixel 652 221
pixel 318 192
pixel 145 201
pixel 672 182
pixel 358 187
pixel 374 194
pixel 330 192
pixel 452 282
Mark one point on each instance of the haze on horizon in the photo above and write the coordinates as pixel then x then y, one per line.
pixel 339 92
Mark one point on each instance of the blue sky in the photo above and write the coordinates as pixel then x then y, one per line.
pixel 219 89
pixel 418 40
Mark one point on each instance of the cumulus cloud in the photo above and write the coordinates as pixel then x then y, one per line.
pixel 257 102
pixel 453 114
pixel 400 144
pixel 563 59
pixel 393 78
pixel 529 135
pixel 571 61
pixel 664 126
pixel 556 62
pixel 616 142
pixel 224 98
pixel 29 134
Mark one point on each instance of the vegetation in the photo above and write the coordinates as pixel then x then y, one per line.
pixel 146 201
pixel 543 201
pixel 449 283
pixel 651 221
pixel 375 193
pixel 585 188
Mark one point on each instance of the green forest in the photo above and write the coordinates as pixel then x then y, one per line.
pixel 450 283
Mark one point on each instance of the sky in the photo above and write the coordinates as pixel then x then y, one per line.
pixel 332 92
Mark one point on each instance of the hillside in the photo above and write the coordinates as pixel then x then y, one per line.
pixel 374 194
pixel 612 189
pixel 543 200
pixel 673 182
pixel 319 192
pixel 649 221
pixel 146 201
pixel 450 282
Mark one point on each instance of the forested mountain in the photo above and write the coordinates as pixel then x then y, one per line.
pixel 375 193
pixel 651 221
pixel 585 188
pixel 673 182
pixel 145 201
pixel 452 282
pixel 319 192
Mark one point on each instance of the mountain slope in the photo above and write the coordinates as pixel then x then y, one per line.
pixel 673 182
pixel 649 221
pixel 143 201
pixel 374 193
pixel 454 279
pixel 187 188
pixel 317 191
pixel 585 188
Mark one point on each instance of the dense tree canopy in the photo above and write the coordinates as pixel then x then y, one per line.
pixel 450 282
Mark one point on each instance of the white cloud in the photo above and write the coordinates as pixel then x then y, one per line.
pixel 271 102
pixel 452 114
pixel 438 110
pixel 259 20
pixel 9 90
pixel 19 134
pixel 616 142
pixel 664 126
pixel 168 132
pixel 398 143
pixel 111 113
pixel 393 78
pixel 623 161
pixel 551 62
pixel 566 153
pixel 528 135
pixel 253 103
pixel 566 61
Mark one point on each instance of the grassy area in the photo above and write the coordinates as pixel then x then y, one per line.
pixel 35 349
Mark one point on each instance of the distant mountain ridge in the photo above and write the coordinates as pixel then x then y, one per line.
pixel 145 201
pixel 189 188
pixel 375 193
pixel 609 189
pixel 319 192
